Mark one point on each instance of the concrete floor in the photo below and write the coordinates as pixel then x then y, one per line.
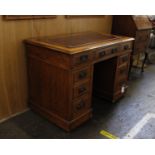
pixel 117 118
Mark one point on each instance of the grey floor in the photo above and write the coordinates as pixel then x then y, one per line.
pixel 117 118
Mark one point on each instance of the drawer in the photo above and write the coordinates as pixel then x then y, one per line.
pixel 81 89
pixel 140 47
pixel 121 85
pixel 82 74
pixel 82 58
pixel 122 72
pixel 102 52
pixel 142 35
pixel 123 59
pixel 126 46
pixel 81 105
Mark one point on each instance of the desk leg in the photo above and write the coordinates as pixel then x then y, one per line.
pixel 144 61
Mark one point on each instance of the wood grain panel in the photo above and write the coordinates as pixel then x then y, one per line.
pixel 4 99
pixel 13 74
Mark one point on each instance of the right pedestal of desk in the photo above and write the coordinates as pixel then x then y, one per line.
pixel 111 77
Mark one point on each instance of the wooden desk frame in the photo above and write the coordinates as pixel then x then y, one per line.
pixel 61 79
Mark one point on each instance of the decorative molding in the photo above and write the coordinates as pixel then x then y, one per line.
pixel 14 115
pixel 83 16
pixel 25 17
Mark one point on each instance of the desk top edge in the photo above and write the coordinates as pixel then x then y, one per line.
pixel 79 49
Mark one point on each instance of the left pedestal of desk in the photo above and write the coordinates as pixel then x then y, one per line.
pixel 53 89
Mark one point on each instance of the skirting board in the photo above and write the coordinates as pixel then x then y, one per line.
pixel 7 118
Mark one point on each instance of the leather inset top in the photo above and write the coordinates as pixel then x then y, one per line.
pixel 77 40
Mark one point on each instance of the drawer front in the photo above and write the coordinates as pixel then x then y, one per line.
pixel 81 89
pixel 103 52
pixel 81 105
pixel 83 58
pixel 126 46
pixel 142 35
pixel 123 59
pixel 122 72
pixel 82 74
pixel 121 85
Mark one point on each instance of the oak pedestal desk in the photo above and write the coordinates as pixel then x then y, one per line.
pixel 62 71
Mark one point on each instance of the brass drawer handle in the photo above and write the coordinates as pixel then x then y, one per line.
pixel 82 89
pixel 114 50
pixel 126 47
pixel 80 105
pixel 102 54
pixel 82 75
pixel 83 58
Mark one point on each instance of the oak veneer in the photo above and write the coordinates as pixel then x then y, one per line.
pixel 61 77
